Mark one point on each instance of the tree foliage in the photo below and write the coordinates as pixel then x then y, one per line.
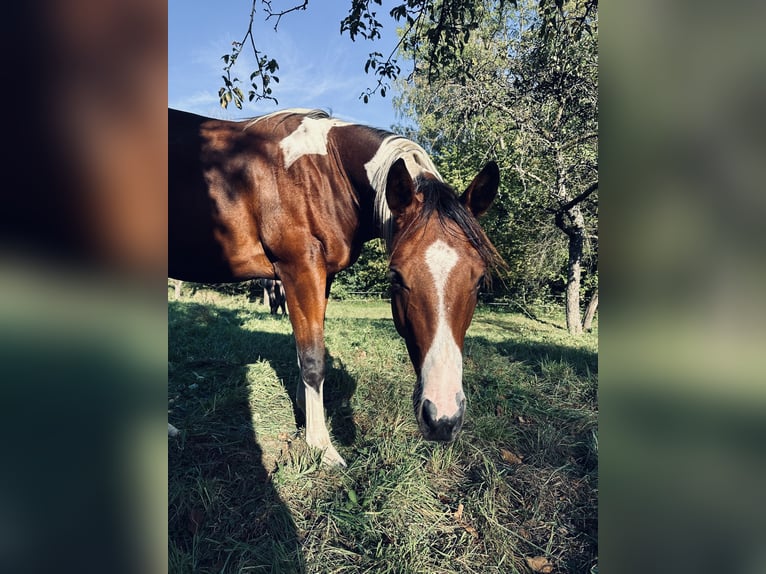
pixel 435 32
pixel 524 91
pixel 367 277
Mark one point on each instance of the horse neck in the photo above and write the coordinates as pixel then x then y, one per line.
pixel 356 147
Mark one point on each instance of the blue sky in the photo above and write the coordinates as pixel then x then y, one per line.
pixel 319 68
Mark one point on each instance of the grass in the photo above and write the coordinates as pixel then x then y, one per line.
pixel 246 495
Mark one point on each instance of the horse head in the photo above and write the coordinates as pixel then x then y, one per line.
pixel 440 257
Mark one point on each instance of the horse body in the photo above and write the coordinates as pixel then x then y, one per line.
pixel 238 212
pixel 294 195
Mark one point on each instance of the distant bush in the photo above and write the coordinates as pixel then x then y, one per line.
pixel 368 275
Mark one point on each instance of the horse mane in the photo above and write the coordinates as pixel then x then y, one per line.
pixel 391 149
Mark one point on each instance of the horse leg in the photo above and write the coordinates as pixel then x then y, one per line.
pixel 306 298
pixel 282 299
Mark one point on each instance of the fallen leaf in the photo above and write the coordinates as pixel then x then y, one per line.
pixel 458 516
pixel 539 564
pixel 510 457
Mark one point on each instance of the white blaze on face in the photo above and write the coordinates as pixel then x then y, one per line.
pixel 442 369
pixel 310 138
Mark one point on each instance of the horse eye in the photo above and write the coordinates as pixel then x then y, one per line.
pixel 396 278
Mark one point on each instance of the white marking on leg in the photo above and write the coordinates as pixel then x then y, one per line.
pixel 310 138
pixel 316 429
pixel 442 369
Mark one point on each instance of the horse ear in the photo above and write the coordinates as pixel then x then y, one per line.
pixel 482 191
pixel 400 188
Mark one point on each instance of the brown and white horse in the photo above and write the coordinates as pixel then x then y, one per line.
pixel 295 194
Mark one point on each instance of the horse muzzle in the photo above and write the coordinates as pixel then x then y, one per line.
pixel 442 428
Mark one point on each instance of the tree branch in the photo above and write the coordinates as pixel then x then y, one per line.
pixel 582 197
pixel 389 64
pixel 278 15
pixel 564 210
pixel 266 68
pixel 524 173
pixel 578 140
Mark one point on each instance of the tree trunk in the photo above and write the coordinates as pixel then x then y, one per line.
pixel 574 273
pixel 587 322
pixel 571 221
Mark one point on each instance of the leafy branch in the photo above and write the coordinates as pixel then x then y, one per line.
pixel 387 70
pixel 263 76
pixel 436 31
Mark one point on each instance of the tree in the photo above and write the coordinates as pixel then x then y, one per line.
pixel 557 81
pixel 525 92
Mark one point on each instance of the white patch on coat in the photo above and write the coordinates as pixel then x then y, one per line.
pixel 310 138
pixel 442 370
pixel 316 429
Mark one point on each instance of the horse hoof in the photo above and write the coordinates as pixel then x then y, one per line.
pixel 330 457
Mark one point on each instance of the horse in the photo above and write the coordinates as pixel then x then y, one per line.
pixel 276 294
pixel 295 194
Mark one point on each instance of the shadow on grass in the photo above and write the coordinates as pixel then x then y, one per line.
pixel 224 512
pixel 582 361
pixel 552 388
pixel 533 353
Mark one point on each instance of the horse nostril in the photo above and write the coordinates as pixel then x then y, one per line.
pixel 429 414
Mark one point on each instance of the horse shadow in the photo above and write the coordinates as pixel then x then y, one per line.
pixel 225 513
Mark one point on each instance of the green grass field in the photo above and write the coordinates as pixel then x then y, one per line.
pixel 517 492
